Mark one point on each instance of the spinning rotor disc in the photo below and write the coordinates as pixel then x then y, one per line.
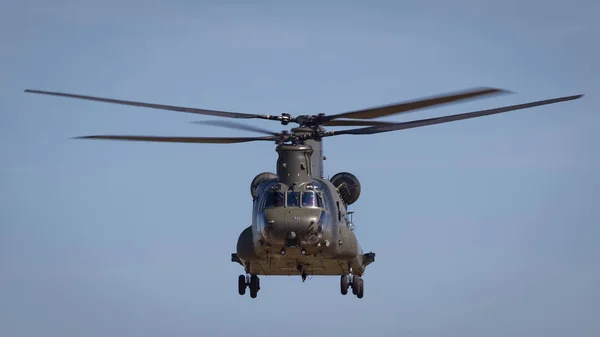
pixel 363 117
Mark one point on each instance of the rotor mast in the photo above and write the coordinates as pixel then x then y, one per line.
pixel 316 157
pixel 293 164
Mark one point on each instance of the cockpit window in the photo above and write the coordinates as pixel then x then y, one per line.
pixel 311 199
pixel 274 199
pixel 292 199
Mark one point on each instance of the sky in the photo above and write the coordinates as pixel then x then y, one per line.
pixel 485 227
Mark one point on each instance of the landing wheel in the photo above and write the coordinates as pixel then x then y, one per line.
pixel 355 284
pixel 254 285
pixel 344 284
pixel 242 284
pixel 361 288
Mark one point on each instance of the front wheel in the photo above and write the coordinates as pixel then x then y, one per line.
pixel 344 284
pixel 355 284
pixel 254 285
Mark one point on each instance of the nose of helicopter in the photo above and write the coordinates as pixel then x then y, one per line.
pixel 293 223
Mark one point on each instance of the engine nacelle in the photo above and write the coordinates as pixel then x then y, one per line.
pixel 347 185
pixel 259 179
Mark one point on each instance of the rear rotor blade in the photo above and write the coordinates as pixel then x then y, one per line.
pixel 401 107
pixel 158 106
pixel 206 140
pixel 446 119
pixel 237 126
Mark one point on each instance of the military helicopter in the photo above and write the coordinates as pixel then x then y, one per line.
pixel 301 223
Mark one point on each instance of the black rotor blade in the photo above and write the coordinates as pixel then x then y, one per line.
pixel 401 107
pixel 157 106
pixel 446 119
pixel 343 122
pixel 237 126
pixel 205 140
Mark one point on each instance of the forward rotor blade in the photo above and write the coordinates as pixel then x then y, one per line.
pixel 209 140
pixel 446 119
pixel 237 126
pixel 401 107
pixel 343 122
pixel 157 106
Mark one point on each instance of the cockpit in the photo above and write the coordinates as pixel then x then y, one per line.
pixel 274 199
pixel 307 199
pixel 312 199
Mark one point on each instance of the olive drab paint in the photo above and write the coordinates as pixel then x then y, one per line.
pixel 300 223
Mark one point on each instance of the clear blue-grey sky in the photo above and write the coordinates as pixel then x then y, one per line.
pixel 486 227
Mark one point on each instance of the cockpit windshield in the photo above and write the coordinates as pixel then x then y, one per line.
pixel 274 199
pixel 311 199
pixel 293 199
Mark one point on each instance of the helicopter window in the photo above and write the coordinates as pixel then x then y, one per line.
pixel 274 199
pixel 292 199
pixel 311 199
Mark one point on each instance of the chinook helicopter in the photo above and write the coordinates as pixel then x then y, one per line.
pixel 301 223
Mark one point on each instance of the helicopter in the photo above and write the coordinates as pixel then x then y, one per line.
pixel 301 224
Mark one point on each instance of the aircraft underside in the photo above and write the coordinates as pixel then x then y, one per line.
pixel 295 263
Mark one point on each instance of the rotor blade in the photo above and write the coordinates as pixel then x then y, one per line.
pixel 446 119
pixel 157 106
pixel 209 140
pixel 401 107
pixel 235 125
pixel 343 122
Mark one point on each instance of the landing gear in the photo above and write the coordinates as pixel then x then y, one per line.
pixel 352 281
pixel 242 285
pixel 344 284
pixel 252 282
pixel 360 291
pixel 254 285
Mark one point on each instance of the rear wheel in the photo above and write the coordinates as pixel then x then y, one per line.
pixel 361 288
pixel 242 284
